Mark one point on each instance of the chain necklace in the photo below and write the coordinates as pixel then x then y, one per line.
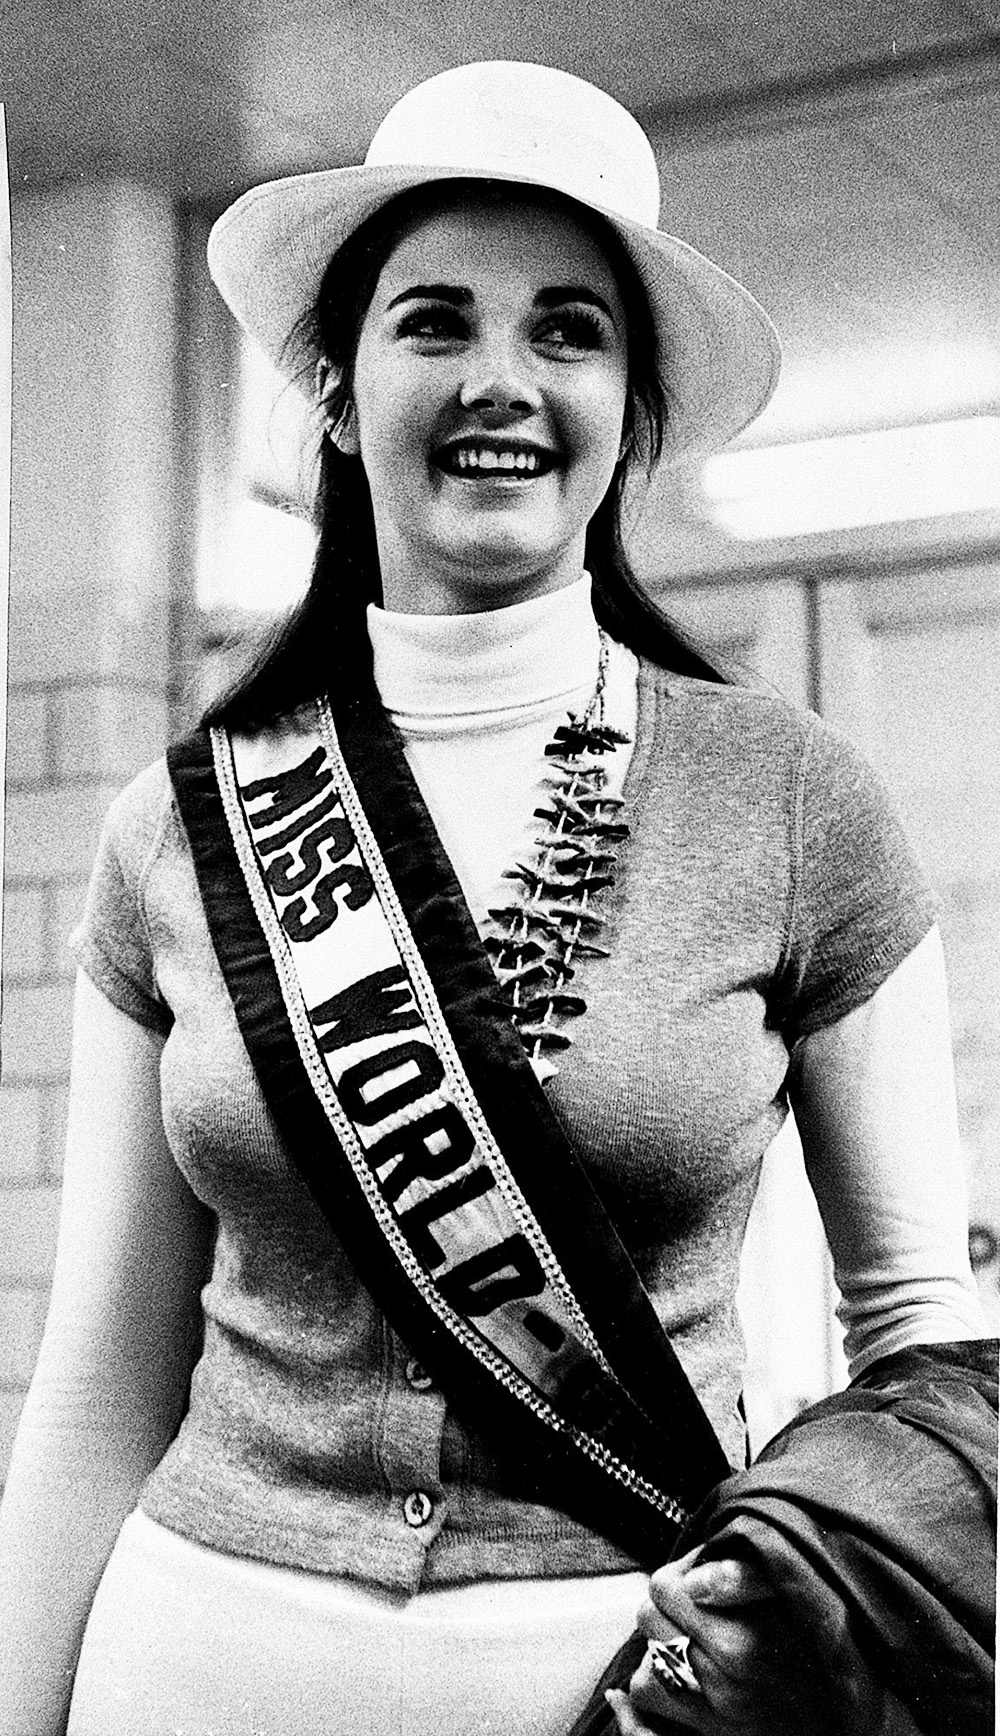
pixel 551 920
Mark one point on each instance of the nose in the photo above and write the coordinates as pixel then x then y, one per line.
pixel 498 385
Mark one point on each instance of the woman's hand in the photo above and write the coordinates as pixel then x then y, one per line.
pixel 732 1621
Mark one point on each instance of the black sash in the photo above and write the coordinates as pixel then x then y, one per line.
pixel 607 1427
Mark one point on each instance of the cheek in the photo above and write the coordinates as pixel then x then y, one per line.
pixel 390 412
pixel 392 434
pixel 594 424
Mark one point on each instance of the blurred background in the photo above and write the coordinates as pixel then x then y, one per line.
pixel 842 160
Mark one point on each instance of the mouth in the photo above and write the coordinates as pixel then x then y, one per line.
pixel 511 462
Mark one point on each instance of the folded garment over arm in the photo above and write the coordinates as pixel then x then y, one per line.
pixel 873 1515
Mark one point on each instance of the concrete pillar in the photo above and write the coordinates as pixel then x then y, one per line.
pixel 93 528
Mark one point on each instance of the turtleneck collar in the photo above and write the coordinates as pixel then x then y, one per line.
pixel 500 663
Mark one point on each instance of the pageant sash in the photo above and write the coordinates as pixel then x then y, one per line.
pixel 374 1023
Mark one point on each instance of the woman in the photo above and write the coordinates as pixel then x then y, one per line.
pixel 437 1436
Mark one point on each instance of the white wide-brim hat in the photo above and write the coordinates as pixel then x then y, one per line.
pixel 533 125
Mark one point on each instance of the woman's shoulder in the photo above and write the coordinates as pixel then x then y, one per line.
pixel 747 738
pixel 755 715
pixel 142 801
pixel 140 818
pixel 112 941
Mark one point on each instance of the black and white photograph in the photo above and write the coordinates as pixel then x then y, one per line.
pixel 500 1000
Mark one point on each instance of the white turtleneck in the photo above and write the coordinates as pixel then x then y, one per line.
pixel 477 698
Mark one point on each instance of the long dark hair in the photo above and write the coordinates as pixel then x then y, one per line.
pixel 325 632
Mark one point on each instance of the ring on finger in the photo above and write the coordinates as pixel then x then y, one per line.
pixel 671 1663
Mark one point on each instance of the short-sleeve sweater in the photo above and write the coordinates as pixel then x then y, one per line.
pixel 766 890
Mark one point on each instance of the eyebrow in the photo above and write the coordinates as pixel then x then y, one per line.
pixel 561 293
pixel 555 296
pixel 433 292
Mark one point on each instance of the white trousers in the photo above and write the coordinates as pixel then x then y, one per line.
pixel 183 1641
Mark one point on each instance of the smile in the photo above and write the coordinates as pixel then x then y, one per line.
pixel 514 463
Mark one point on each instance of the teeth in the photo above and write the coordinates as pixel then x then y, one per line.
pixel 484 458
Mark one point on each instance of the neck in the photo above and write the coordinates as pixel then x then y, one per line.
pixel 487 664
pixel 476 587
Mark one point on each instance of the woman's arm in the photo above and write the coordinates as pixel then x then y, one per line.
pixel 874 1099
pixel 112 1376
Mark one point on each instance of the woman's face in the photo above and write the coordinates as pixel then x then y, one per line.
pixel 488 393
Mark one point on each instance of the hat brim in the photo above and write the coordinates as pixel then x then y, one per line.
pixel 268 252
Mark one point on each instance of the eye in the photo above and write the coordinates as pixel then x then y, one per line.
pixel 439 324
pixel 573 328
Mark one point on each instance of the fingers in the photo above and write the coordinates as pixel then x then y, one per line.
pixel 626 1717
pixel 632 1722
pixel 651 1696
pixel 722 1700
pixel 737 1649
pixel 668 1598
pixel 721 1607
pixel 725 1584
pixel 724 1648
pixel 718 1604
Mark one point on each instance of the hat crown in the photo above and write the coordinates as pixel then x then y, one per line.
pixel 522 121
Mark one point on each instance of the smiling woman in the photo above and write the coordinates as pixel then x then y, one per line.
pixel 486 400
pixel 439 1000
pixel 583 311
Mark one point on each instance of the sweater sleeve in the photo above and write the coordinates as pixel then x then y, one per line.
pixel 112 941
pixel 859 900
pixel 892 1205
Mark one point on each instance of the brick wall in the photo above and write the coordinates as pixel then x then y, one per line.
pixel 92 541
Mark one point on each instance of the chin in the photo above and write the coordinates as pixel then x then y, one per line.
pixel 496 570
pixel 509 550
